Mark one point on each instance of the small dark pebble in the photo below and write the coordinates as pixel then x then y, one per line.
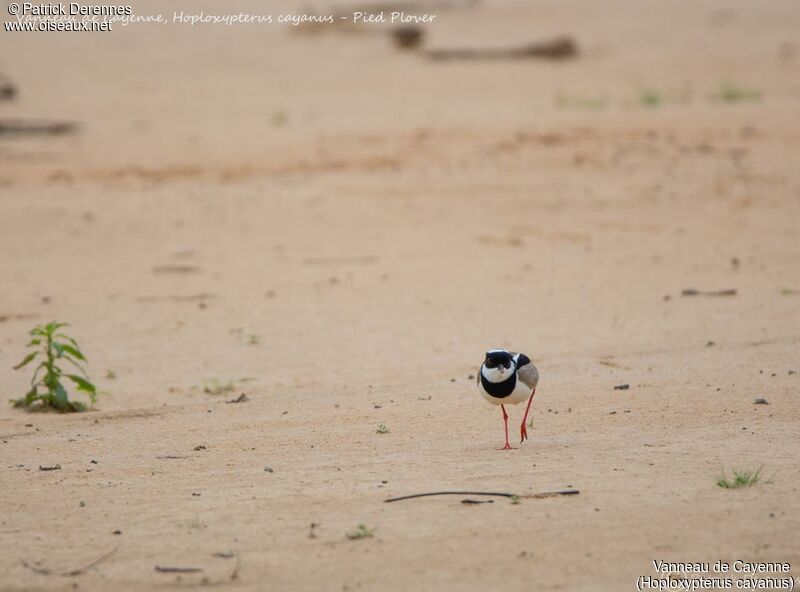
pixel 792 372
pixel 377 407
pixel 612 412
pixel 94 462
pixel 452 380
pixel 200 447
pixel 471 377
pixel 622 387
pixel 268 470
pixel 196 494
pixel 117 532
pixel 710 343
pixel 407 36
pixel 760 402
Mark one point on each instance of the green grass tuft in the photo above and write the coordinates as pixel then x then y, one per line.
pixel 650 98
pixel 362 532
pixel 215 387
pixel 382 429
pixel 740 479
pixel 730 92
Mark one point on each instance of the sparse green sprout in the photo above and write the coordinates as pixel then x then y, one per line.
pixel 52 347
pixel 530 422
pixel 280 118
pixel 514 500
pixel 215 387
pixel 254 340
pixel 110 374
pixel 650 98
pixel 740 479
pixel 362 532
pixel 730 92
pixel 382 429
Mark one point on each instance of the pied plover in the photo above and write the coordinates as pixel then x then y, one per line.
pixel 508 378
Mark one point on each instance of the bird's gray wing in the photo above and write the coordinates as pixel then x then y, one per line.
pixel 529 375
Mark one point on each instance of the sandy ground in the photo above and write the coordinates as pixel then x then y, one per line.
pixel 377 221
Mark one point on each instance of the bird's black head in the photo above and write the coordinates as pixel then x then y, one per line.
pixel 498 357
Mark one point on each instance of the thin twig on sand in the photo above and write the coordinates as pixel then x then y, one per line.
pixel 488 493
pixel 556 49
pixel 178 570
pixel 73 572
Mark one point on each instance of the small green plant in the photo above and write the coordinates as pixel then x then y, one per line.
pixel 110 374
pixel 47 389
pixel 254 339
pixel 215 387
pixel 650 98
pixel 730 92
pixel 740 479
pixel 382 429
pixel 362 532
pixel 280 118
pixel 515 500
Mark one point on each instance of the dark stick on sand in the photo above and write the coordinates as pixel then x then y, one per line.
pixel 20 127
pixel 556 49
pixel 73 572
pixel 488 493
pixel 181 570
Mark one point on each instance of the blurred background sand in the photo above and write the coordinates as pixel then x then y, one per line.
pixel 339 229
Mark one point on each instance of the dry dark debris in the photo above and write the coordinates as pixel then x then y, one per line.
pixel 760 401
pixel 696 292
pixel 240 399
pixel 622 387
pixel 21 127
pixel 558 48
pixel 408 37
pixel 490 494
pixel 8 91
pixel 49 467
pixel 72 572
pixel 162 569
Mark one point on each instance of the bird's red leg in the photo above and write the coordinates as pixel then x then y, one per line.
pixel 505 422
pixel 523 430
